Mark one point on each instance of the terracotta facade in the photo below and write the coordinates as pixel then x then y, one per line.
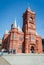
pixel 0 44
pixel 25 41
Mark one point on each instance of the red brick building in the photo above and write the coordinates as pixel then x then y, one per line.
pixel 25 40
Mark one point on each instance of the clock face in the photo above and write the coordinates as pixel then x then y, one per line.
pixel 30 18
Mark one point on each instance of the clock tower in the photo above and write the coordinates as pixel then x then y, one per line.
pixel 29 21
pixel 29 30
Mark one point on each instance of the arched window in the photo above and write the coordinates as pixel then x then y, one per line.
pixel 32 38
pixel 13 36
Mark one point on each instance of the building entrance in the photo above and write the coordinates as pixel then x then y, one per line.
pixel 14 51
pixel 32 49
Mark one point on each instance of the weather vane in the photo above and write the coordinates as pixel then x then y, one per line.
pixel 28 5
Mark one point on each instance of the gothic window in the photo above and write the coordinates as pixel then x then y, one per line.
pixel 13 36
pixel 20 47
pixel 21 38
pixel 32 38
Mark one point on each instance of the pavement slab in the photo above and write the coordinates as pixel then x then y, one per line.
pixel 3 61
pixel 24 59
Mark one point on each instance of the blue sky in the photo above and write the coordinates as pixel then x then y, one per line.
pixel 11 9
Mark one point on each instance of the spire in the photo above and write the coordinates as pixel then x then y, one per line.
pixel 14 25
pixel 19 29
pixel 6 32
pixel 28 9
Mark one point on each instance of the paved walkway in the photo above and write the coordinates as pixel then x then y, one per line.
pixel 25 59
pixel 3 61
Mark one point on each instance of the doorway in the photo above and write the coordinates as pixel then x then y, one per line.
pixel 14 51
pixel 32 49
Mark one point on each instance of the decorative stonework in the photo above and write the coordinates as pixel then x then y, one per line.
pixel 24 40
